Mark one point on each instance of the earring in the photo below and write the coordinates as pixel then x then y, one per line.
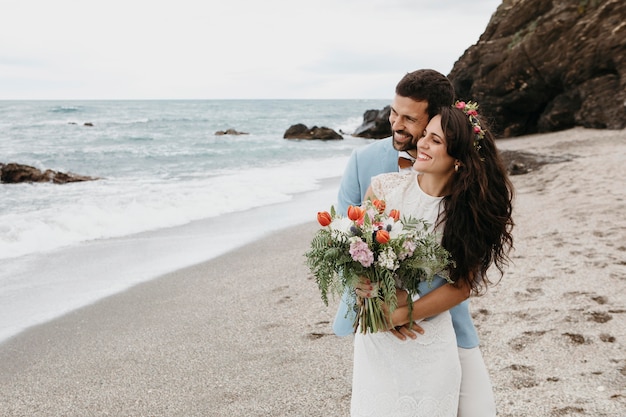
pixel 456 167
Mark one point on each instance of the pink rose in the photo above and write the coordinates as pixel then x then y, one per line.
pixel 460 105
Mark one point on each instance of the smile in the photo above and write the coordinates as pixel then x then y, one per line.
pixel 401 136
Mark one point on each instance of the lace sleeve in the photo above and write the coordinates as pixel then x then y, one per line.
pixel 382 184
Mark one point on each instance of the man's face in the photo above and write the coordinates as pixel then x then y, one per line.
pixel 408 119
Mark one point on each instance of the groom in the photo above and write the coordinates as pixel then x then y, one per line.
pixel 419 96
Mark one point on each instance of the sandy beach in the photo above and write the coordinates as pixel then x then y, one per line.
pixel 246 334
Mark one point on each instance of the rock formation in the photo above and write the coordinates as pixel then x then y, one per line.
pixel 14 173
pixel 229 132
pixel 519 163
pixel 545 66
pixel 301 131
pixel 375 124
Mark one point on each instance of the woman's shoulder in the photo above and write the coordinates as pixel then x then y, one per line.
pixel 394 177
pixel 382 183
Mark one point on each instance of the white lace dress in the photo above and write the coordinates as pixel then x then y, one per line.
pixel 419 377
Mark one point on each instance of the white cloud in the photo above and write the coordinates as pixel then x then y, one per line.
pixel 231 49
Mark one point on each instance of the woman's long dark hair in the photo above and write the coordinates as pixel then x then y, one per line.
pixel 478 211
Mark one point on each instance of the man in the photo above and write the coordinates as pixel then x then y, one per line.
pixel 419 96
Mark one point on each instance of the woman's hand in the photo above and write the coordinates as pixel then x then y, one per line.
pixel 365 288
pixel 435 302
pixel 399 317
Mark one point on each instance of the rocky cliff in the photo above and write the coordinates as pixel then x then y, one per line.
pixel 548 65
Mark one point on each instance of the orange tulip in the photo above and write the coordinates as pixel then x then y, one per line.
pixel 355 213
pixel 382 236
pixel 380 205
pixel 395 214
pixel 324 218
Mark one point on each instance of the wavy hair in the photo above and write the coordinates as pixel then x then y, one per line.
pixel 478 211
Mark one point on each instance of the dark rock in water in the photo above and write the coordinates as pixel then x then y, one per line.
pixel 544 66
pixel 301 131
pixel 12 173
pixel 375 124
pixel 229 132
pixel 89 124
pixel 296 131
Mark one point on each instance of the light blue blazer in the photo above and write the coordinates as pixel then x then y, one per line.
pixel 364 163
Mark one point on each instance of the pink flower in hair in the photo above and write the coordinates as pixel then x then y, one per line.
pixel 471 111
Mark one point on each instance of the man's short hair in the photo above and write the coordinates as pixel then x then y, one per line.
pixel 427 85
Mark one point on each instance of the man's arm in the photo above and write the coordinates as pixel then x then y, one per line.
pixel 343 325
pixel 350 187
pixel 372 160
pixel 349 194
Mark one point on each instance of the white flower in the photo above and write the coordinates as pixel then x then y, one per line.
pixel 342 224
pixel 397 228
pixel 388 259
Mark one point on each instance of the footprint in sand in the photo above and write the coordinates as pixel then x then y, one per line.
pixel 607 338
pixel 529 295
pixel 600 299
pixel 599 316
pixel 522 376
pixel 568 411
pixel 519 343
pixel 575 338
pixel 321 325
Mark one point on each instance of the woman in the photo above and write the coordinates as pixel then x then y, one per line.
pixel 460 186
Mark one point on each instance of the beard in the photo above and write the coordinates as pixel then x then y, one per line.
pixel 410 145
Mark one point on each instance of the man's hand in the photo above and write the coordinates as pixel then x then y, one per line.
pixel 402 332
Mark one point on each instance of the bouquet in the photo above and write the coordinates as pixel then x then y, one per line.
pixel 389 251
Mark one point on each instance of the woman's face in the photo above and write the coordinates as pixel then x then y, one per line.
pixel 432 153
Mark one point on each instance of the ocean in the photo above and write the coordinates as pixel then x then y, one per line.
pixel 171 192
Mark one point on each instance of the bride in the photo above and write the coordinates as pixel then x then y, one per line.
pixel 460 186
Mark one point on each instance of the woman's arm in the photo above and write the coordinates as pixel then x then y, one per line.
pixel 435 302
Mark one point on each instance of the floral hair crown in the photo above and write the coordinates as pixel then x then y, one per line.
pixel 471 111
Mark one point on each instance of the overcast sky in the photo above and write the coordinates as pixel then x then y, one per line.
pixel 223 49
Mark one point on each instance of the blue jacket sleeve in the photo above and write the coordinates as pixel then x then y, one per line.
pixel 345 317
pixel 364 163
pixel 350 187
